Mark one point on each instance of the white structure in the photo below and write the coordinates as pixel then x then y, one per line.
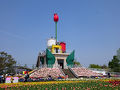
pixel 51 42
pixel 60 59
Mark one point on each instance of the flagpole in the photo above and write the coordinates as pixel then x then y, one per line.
pixel 56 18
pixel 56 31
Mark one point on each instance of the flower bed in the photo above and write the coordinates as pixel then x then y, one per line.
pixel 65 85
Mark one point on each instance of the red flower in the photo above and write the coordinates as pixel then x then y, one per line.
pixel 105 85
pixel 56 18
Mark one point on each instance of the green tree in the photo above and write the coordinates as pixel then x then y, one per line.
pixel 76 63
pixel 94 66
pixel 104 66
pixel 25 66
pixel 6 63
pixel 33 66
pixel 98 66
pixel 118 53
pixel 114 64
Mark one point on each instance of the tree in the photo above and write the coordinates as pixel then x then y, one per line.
pixel 98 66
pixel 118 53
pixel 104 66
pixel 6 63
pixel 33 66
pixel 76 63
pixel 25 66
pixel 114 64
pixel 94 66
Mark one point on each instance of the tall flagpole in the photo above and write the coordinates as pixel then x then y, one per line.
pixel 56 20
pixel 56 30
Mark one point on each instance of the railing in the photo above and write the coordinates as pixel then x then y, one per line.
pixel 73 72
pixel 61 69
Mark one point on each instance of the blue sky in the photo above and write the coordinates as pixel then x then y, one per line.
pixel 90 27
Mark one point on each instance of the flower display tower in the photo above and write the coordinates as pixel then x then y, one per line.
pixel 55 54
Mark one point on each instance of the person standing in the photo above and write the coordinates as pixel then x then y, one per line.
pixel 11 79
pixel 0 79
pixel 26 77
pixel 4 77
pixel 109 75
